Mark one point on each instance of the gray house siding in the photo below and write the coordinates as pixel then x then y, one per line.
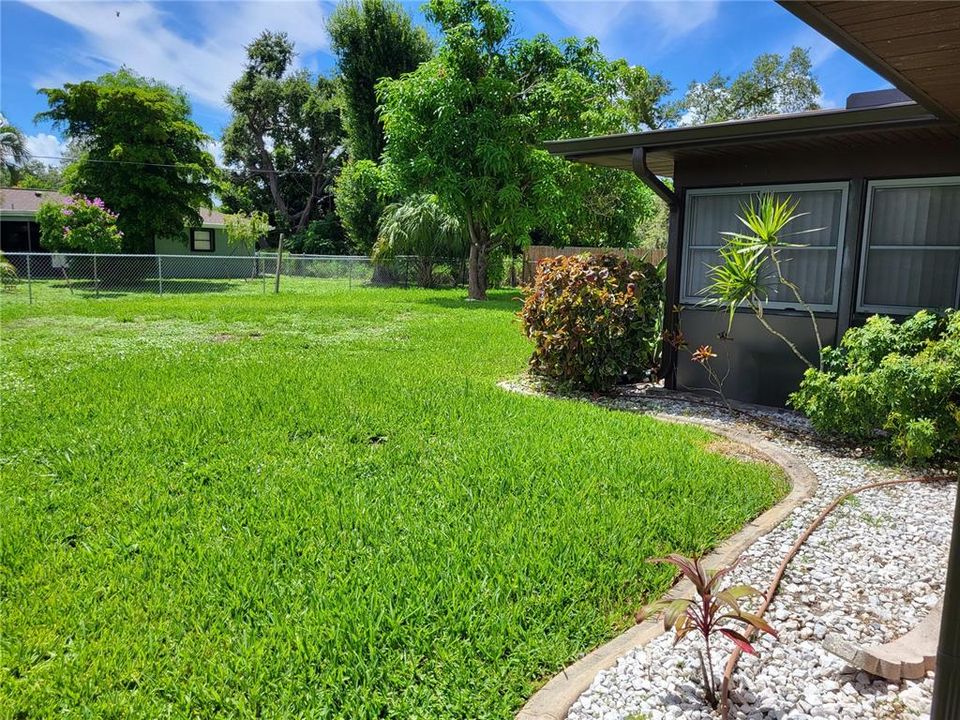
pixel 763 369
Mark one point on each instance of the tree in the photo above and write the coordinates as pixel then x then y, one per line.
pixel 359 192
pixel 79 225
pixel 419 226
pixel 247 230
pixel 572 90
pixel 772 85
pixel 37 175
pixel 138 150
pixel 641 98
pixel 372 39
pixel 13 148
pixel 456 128
pixel 285 137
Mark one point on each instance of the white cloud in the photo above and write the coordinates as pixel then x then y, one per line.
pixel 46 148
pixel 658 22
pixel 215 148
pixel 145 37
pixel 820 48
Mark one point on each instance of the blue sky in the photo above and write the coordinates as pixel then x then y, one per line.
pixel 198 45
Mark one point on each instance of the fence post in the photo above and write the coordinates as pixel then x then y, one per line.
pixel 29 282
pixel 350 274
pixel 276 281
pixel 160 272
pixel 406 271
pixel 262 269
pixel 96 277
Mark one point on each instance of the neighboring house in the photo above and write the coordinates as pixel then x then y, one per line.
pixel 19 232
pixel 879 179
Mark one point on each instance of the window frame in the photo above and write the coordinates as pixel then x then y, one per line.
pixel 932 181
pixel 842 185
pixel 193 239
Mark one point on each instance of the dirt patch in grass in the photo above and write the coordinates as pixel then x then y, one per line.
pixel 735 450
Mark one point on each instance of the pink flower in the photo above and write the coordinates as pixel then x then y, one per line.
pixel 98 203
pixel 67 211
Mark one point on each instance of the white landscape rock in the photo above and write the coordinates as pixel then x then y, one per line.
pixel 869 574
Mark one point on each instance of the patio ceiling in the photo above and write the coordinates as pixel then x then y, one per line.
pixel 914 45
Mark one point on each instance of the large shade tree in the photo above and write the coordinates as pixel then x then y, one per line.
pixel 456 128
pixel 285 138
pixel 138 149
pixel 468 126
pixel 773 84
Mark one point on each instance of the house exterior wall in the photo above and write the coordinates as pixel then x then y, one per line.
pixel 762 367
pixel 227 260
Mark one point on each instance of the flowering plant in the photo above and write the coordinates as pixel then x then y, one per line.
pixel 79 225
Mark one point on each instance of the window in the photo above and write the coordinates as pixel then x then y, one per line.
pixel 201 240
pixel 910 257
pixel 814 267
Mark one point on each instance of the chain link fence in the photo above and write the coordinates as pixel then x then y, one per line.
pixel 45 276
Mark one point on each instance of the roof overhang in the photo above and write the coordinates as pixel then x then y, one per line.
pixel 662 146
pixel 914 45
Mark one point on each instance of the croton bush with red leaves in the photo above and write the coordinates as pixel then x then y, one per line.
pixel 594 319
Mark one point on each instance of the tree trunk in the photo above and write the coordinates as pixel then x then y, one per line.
pixel 477 273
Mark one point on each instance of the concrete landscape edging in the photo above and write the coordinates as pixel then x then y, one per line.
pixel 554 699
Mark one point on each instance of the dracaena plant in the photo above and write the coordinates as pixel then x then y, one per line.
pixel 710 613
pixel 751 264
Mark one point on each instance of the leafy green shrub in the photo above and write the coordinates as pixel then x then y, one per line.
pixel 8 274
pixel 420 227
pixel 359 197
pixel 894 385
pixel 247 230
pixel 593 319
pixel 321 237
pixel 79 225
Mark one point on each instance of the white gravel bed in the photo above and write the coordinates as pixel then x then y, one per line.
pixel 870 573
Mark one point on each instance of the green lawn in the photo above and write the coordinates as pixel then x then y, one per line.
pixel 319 505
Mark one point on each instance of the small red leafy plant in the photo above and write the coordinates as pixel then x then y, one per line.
pixel 710 613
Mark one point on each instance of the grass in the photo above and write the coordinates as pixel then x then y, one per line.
pixel 319 505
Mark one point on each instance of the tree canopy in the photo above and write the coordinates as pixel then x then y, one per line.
pixel 372 39
pixel 456 128
pixel 34 174
pixel 773 84
pixel 468 124
pixel 138 149
pixel 285 137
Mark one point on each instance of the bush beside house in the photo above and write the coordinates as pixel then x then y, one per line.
pixel 79 225
pixel 896 386
pixel 593 319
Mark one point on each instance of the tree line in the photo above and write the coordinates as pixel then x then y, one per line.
pixel 412 145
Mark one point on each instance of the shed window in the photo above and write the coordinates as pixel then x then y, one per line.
pixel 911 246
pixel 813 267
pixel 201 240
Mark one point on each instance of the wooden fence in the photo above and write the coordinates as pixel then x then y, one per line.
pixel 535 253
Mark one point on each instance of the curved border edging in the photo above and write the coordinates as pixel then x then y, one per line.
pixel 553 700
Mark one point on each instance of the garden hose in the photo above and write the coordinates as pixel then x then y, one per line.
pixel 775 584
